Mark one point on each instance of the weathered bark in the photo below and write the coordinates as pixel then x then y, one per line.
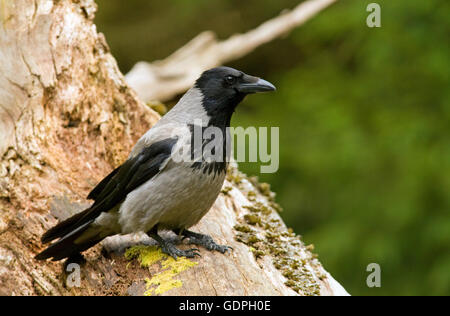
pixel 67 117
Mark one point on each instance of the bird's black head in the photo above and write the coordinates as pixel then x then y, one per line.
pixel 223 88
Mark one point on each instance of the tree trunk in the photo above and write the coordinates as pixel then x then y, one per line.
pixel 67 118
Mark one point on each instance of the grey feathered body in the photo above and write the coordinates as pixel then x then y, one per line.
pixel 181 195
pixel 195 194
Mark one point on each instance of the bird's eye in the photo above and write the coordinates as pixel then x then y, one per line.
pixel 230 79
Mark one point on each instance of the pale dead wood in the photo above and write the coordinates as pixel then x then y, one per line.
pixel 179 71
pixel 67 117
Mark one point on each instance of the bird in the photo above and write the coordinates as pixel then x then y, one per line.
pixel 166 184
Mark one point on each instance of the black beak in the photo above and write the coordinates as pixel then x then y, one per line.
pixel 254 85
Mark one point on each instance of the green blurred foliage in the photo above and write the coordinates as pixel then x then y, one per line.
pixel 364 117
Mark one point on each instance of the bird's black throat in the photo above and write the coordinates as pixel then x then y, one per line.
pixel 218 101
pixel 219 109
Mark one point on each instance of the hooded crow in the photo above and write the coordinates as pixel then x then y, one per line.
pixel 167 183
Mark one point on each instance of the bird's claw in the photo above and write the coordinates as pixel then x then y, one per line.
pixel 174 252
pixel 222 248
pixel 208 243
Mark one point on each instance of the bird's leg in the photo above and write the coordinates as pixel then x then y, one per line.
pixel 169 248
pixel 202 240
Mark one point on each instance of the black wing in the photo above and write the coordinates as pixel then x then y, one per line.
pixel 115 187
pixel 93 195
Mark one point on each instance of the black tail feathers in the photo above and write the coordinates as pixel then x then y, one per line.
pixel 65 227
pixel 67 246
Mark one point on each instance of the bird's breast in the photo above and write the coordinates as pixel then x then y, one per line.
pixel 178 197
